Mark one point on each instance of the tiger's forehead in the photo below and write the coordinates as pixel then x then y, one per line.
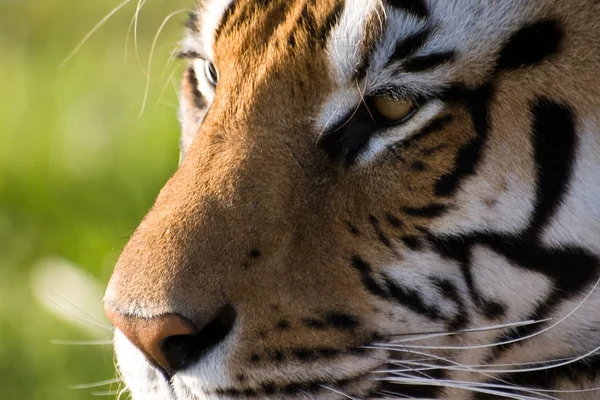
pixel 342 26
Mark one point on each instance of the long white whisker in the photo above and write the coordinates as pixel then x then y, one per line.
pixel 165 86
pixel 338 392
pixel 158 32
pixel 481 346
pixel 457 366
pixel 136 18
pixel 92 31
pixel 431 335
pixel 488 388
pixel 96 384
pixel 85 317
pixel 82 342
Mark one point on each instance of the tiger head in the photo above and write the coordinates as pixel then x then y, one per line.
pixel 376 199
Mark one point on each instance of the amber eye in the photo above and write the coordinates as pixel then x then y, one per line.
pixel 211 73
pixel 393 110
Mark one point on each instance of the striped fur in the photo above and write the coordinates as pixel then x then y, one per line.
pixel 454 255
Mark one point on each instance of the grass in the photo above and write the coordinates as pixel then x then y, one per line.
pixel 78 170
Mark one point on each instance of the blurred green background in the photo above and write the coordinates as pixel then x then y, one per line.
pixel 79 167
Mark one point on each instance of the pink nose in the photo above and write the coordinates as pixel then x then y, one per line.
pixel 152 336
pixel 171 341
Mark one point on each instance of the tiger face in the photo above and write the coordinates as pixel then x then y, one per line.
pixel 377 199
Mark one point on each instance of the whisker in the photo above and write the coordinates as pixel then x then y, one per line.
pixel 136 18
pixel 431 335
pixel 152 48
pixel 82 342
pixel 86 317
pixel 134 21
pixel 96 384
pixel 339 392
pixel 168 82
pixel 92 31
pixel 486 388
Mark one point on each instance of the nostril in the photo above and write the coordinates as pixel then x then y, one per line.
pixel 183 350
pixel 171 341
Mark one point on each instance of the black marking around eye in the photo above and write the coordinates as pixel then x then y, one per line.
pixel 199 100
pixel 345 141
pixel 428 61
pixel 531 45
pixel 414 7
pixel 554 142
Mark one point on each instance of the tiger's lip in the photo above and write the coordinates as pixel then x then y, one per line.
pixel 271 390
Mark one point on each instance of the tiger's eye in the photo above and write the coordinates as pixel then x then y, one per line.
pixel 392 109
pixel 211 73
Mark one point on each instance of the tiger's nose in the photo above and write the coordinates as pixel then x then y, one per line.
pixel 171 341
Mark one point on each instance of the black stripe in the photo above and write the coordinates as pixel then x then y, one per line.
pixel 377 229
pixel 414 7
pixel 394 221
pixel 430 211
pixel 409 46
pixel 459 250
pixel 477 102
pixel 428 62
pixel 345 141
pixel 366 277
pixel 449 290
pixel 411 299
pixel 330 22
pixel 199 100
pixel 192 22
pixel 225 17
pixel 531 45
pixel 412 242
pixel 554 143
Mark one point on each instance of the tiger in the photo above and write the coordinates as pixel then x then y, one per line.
pixel 376 199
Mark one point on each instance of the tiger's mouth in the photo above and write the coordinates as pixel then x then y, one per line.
pixel 336 378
